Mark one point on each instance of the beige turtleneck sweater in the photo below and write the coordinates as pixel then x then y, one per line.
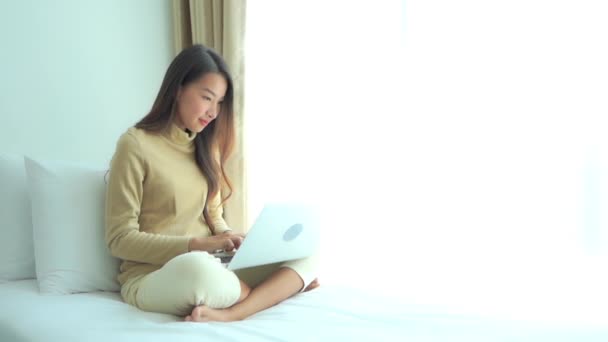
pixel 155 199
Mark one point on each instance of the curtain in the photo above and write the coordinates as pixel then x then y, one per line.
pixel 220 25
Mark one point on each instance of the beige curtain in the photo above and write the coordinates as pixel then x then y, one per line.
pixel 220 24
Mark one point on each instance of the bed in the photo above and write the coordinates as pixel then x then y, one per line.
pixel 329 313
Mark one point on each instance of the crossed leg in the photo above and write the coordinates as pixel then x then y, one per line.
pixel 281 284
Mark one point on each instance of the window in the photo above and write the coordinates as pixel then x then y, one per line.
pixel 470 155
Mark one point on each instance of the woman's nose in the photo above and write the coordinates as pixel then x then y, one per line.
pixel 212 113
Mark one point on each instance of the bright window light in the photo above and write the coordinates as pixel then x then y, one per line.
pixel 456 149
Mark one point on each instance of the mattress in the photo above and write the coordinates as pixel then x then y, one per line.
pixel 329 313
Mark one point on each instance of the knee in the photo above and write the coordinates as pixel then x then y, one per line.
pixel 307 268
pixel 193 265
pixel 199 268
pixel 211 283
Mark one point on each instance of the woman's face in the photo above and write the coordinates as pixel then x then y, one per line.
pixel 199 102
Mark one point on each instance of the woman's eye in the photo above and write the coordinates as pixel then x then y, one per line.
pixel 207 98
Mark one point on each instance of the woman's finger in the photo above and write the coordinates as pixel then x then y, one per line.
pixel 228 245
pixel 237 240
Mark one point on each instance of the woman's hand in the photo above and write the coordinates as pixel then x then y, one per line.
pixel 227 241
pixel 237 239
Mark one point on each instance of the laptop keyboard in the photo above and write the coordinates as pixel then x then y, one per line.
pixel 225 257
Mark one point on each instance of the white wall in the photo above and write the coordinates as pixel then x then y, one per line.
pixel 76 74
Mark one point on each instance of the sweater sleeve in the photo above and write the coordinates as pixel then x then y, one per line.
pixel 123 205
pixel 216 214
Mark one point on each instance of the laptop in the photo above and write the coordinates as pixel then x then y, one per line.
pixel 281 232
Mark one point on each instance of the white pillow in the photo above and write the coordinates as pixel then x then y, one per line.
pixel 16 245
pixel 68 202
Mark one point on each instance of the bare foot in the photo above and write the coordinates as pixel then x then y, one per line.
pixel 203 313
pixel 313 285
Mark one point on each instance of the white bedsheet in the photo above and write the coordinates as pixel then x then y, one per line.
pixel 330 313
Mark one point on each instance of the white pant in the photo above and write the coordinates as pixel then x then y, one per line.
pixel 197 278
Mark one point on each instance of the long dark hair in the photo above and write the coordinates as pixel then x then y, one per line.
pixel 214 144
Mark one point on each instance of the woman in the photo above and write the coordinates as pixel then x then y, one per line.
pixel 164 204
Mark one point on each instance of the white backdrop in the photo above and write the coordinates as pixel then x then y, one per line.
pixel 457 149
